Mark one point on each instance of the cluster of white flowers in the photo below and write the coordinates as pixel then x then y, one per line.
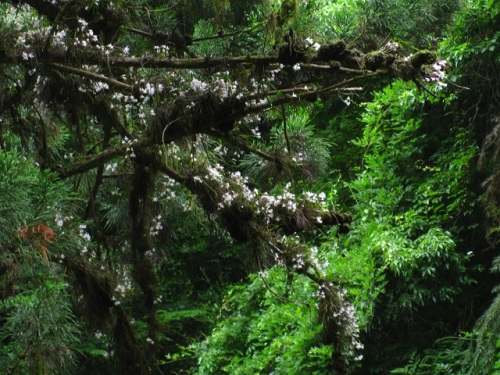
pixel 147 90
pixel 251 121
pixel 227 199
pixel 298 158
pixel 172 151
pixel 98 86
pixel 198 86
pixel 347 101
pixel 315 259
pixel 128 101
pixel 130 150
pixel 86 36
pixel 40 82
pixel 237 189
pixel 28 38
pixel 161 49
pixel 390 47
pixel 256 102
pixel 223 89
pixel 106 50
pixel 85 236
pixel 274 72
pixel 157 226
pixel 256 133
pixel 298 261
pixel 221 150
pixel 111 168
pixel 158 300
pixel 270 207
pixel 59 39
pixel 312 44
pixel 91 86
pixel 219 86
pixel 60 220
pixel 437 75
pixel 215 173
pixel 167 191
pixel 28 56
pixel 238 154
pixel 124 286
pixel 150 253
pixel 345 316
pixel 269 204
pixel 263 273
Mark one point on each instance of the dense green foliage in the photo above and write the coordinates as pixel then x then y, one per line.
pixel 250 187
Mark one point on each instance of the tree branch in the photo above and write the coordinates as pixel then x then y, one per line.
pixel 94 76
pixel 99 159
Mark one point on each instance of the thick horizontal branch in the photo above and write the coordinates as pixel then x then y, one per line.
pixel 91 55
pixel 171 133
pixel 298 94
pixel 91 75
pixel 99 159
pixel 239 218
pixel 195 63
pixel 151 61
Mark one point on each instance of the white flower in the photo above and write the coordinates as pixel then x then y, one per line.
pixel 198 86
pixel 296 67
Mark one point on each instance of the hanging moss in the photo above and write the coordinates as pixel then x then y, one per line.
pixel 140 206
pixel 96 287
pixel 131 359
pixel 375 60
pixel 236 220
pixel 422 57
pixel 332 315
pixel 209 111
pixel 332 51
pixel 293 50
